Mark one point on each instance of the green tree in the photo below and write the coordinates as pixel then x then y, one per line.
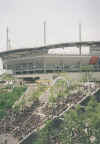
pixel 87 72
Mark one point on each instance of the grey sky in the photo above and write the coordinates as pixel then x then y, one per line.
pixel 25 21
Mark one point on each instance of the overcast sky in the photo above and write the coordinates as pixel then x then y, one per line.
pixel 25 21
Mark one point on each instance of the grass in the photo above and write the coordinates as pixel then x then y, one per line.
pixel 61 90
pixel 77 126
pixel 39 91
pixel 31 99
pixel 7 99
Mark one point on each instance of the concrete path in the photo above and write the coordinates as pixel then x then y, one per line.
pixel 7 139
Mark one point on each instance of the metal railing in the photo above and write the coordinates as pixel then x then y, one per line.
pixel 54 68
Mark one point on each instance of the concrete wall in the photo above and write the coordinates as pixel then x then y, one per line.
pixel 72 75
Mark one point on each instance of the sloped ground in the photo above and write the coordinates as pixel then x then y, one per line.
pixel 21 124
pixel 24 99
pixel 78 126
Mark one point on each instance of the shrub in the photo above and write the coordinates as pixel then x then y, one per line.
pixel 7 99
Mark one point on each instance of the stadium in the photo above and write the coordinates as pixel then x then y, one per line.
pixel 45 59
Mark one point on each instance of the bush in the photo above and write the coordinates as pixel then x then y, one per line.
pixel 77 126
pixel 7 99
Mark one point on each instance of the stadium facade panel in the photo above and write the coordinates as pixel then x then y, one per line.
pixel 37 60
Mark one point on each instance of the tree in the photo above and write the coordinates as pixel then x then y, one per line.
pixel 88 72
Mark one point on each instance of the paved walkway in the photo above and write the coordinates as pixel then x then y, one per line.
pixel 7 139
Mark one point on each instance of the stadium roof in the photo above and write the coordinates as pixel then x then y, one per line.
pixel 47 47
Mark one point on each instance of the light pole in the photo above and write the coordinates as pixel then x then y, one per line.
pixel 44 32
pixel 80 36
pixel 44 38
pixel 7 40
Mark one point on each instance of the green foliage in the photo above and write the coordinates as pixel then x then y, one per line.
pixel 8 77
pixel 87 68
pixel 87 72
pixel 76 121
pixel 61 89
pixel 58 91
pixel 30 97
pixel 7 99
pixel 2 113
pixel 48 134
pixel 39 91
pixel 77 127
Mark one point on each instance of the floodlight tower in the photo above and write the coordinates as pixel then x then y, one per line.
pixel 80 37
pixel 44 39
pixel 44 32
pixel 7 39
